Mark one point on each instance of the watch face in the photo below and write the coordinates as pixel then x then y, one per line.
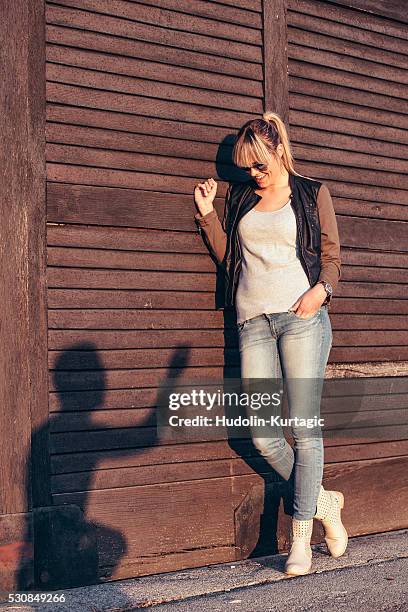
pixel 327 286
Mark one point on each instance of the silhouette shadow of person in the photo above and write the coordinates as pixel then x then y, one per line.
pixel 65 546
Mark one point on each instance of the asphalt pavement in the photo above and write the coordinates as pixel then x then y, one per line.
pixel 371 575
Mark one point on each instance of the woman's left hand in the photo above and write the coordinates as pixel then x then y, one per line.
pixel 309 302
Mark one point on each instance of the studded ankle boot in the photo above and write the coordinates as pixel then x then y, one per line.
pixel 329 505
pixel 299 561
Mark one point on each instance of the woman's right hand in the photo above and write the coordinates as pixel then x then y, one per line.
pixel 204 195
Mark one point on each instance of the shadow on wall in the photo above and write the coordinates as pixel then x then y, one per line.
pixel 69 549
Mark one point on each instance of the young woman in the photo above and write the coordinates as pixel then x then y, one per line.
pixel 279 246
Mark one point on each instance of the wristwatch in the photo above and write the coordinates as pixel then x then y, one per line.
pixel 329 290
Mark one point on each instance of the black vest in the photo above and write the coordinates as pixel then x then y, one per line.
pixel 304 204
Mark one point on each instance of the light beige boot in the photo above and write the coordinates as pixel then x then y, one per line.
pixel 299 561
pixel 329 505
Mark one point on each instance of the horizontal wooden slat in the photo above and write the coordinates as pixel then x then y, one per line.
pixel 201 8
pixel 145 106
pixel 374 258
pixel 139 358
pixel 122 260
pixel 126 239
pixel 179 368
pixel 75 401
pixel 144 319
pixel 90 204
pixel 353 353
pixel 248 5
pixel 59 57
pixel 105 339
pixel 389 176
pixel 124 339
pixel 77 204
pixel 311 128
pixel 359 189
pixel 126 123
pixel 143 87
pixel 369 210
pixel 103 258
pixel 189 281
pixel 153 34
pixel 379 275
pixel 334 59
pixel 309 71
pixel 389 10
pixel 142 144
pixel 142 378
pixel 76 433
pixel 322 33
pixel 124 279
pixel 135 11
pixel 205 9
pixel 327 91
pixel 104 177
pixel 99 339
pixel 124 160
pixel 114 398
pixel 141 522
pixel 73 358
pixel 169 300
pixel 137 240
pixel 375 118
pixel 134 437
pixel 342 15
pixel 366 233
pixel 195 469
pixel 133 464
pixel 81 39
pixel 104 479
pixel 112 320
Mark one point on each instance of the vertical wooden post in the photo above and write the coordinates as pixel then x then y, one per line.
pixel 23 329
pixel 275 58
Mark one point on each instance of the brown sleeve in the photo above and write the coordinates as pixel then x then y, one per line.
pixel 330 242
pixel 214 230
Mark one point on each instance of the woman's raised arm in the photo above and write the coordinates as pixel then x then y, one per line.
pixel 209 223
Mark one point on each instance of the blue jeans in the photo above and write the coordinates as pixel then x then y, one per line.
pixel 284 346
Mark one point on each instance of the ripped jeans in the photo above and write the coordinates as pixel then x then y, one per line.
pixel 284 346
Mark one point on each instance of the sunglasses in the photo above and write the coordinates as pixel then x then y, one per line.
pixel 257 166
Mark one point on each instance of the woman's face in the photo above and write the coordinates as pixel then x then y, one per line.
pixel 273 172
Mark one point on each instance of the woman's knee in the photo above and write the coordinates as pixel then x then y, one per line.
pixel 306 441
pixel 269 446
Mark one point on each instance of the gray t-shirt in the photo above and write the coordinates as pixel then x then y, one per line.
pixel 272 277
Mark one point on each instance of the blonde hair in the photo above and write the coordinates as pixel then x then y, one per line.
pixel 257 141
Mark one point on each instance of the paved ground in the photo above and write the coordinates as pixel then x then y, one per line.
pixel 380 586
pixel 372 575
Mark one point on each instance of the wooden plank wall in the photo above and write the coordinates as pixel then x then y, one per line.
pixel 348 125
pixel 139 97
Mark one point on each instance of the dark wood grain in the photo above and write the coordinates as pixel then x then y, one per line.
pixel 141 105
pixel 23 474
pixel 275 59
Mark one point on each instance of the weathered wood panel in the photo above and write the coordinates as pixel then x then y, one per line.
pixel 140 106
